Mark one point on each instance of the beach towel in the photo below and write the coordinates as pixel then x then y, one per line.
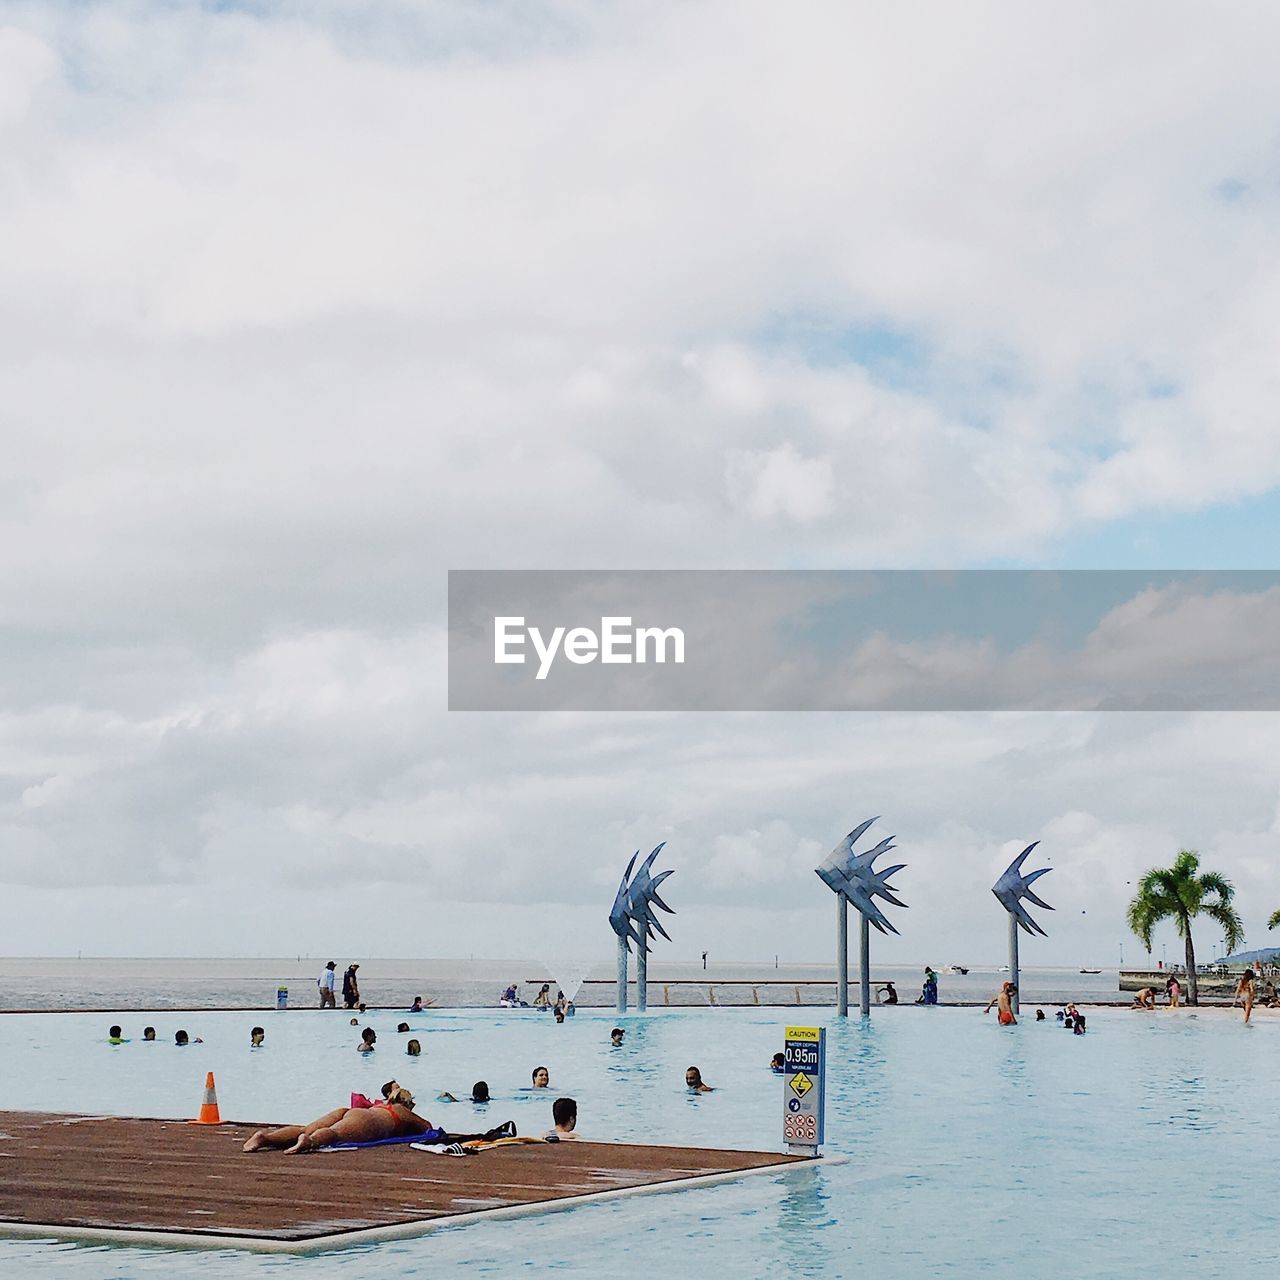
pixel 485 1144
pixel 427 1135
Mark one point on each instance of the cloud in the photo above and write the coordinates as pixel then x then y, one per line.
pixel 302 307
pixel 781 483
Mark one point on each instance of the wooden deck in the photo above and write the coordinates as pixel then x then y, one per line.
pixel 170 1182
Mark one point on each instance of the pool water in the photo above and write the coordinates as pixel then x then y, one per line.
pixel 1143 1149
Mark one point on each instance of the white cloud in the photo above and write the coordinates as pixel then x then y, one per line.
pixel 26 63
pixel 779 482
pixel 299 309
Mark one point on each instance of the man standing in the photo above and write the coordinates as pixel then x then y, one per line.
pixel 325 983
pixel 1004 999
pixel 350 987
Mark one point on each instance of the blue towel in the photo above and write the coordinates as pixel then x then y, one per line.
pixel 429 1135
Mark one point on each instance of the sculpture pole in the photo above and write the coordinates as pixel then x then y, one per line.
pixel 864 940
pixel 622 975
pixel 1013 958
pixel 642 960
pixel 1011 889
pixel 853 878
pixel 633 920
pixel 842 956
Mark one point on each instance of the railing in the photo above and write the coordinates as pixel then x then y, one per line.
pixel 785 991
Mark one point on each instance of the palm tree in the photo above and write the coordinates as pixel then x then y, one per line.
pixel 1179 894
pixel 1275 920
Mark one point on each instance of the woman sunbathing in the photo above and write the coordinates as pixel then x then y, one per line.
pixel 393 1117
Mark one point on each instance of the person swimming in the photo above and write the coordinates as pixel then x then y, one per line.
pixel 402 1028
pixel 148 1033
pixel 256 1037
pixel 368 1041
pixel 778 1063
pixel 615 1037
pixel 479 1094
pixel 541 1078
pixel 564 1116
pixel 413 1048
pixel 694 1082
pixel 116 1036
pixel 416 1006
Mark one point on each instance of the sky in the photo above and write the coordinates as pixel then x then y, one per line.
pixel 302 306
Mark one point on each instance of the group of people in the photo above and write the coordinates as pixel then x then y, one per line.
pixel 1070 1017
pixel 1004 999
pixel 1246 993
pixel 394 1119
pixel 887 993
pixel 116 1035
pixel 562 1007
pixel 327 982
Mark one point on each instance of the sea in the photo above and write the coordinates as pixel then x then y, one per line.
pixel 94 983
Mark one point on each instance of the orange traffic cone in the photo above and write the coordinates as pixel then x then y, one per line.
pixel 209 1104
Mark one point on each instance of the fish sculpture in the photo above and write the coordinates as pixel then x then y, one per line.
pixel 630 916
pixel 1013 886
pixel 854 875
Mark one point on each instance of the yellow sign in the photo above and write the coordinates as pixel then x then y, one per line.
pixel 800 1084
pixel 803 1033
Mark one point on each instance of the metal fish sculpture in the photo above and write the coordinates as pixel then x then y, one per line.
pixel 854 875
pixel 618 918
pixel 631 918
pixel 1013 886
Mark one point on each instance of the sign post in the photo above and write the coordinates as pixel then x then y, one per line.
pixel 804 1089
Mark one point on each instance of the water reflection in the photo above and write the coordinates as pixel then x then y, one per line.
pixel 804 1216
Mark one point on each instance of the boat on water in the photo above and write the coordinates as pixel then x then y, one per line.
pixel 956 968
pixel 1090 970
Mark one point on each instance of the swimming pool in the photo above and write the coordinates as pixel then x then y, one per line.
pixel 1143 1149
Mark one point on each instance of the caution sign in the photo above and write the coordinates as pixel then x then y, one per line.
pixel 804 1088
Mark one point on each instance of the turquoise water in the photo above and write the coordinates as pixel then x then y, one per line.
pixel 1143 1149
